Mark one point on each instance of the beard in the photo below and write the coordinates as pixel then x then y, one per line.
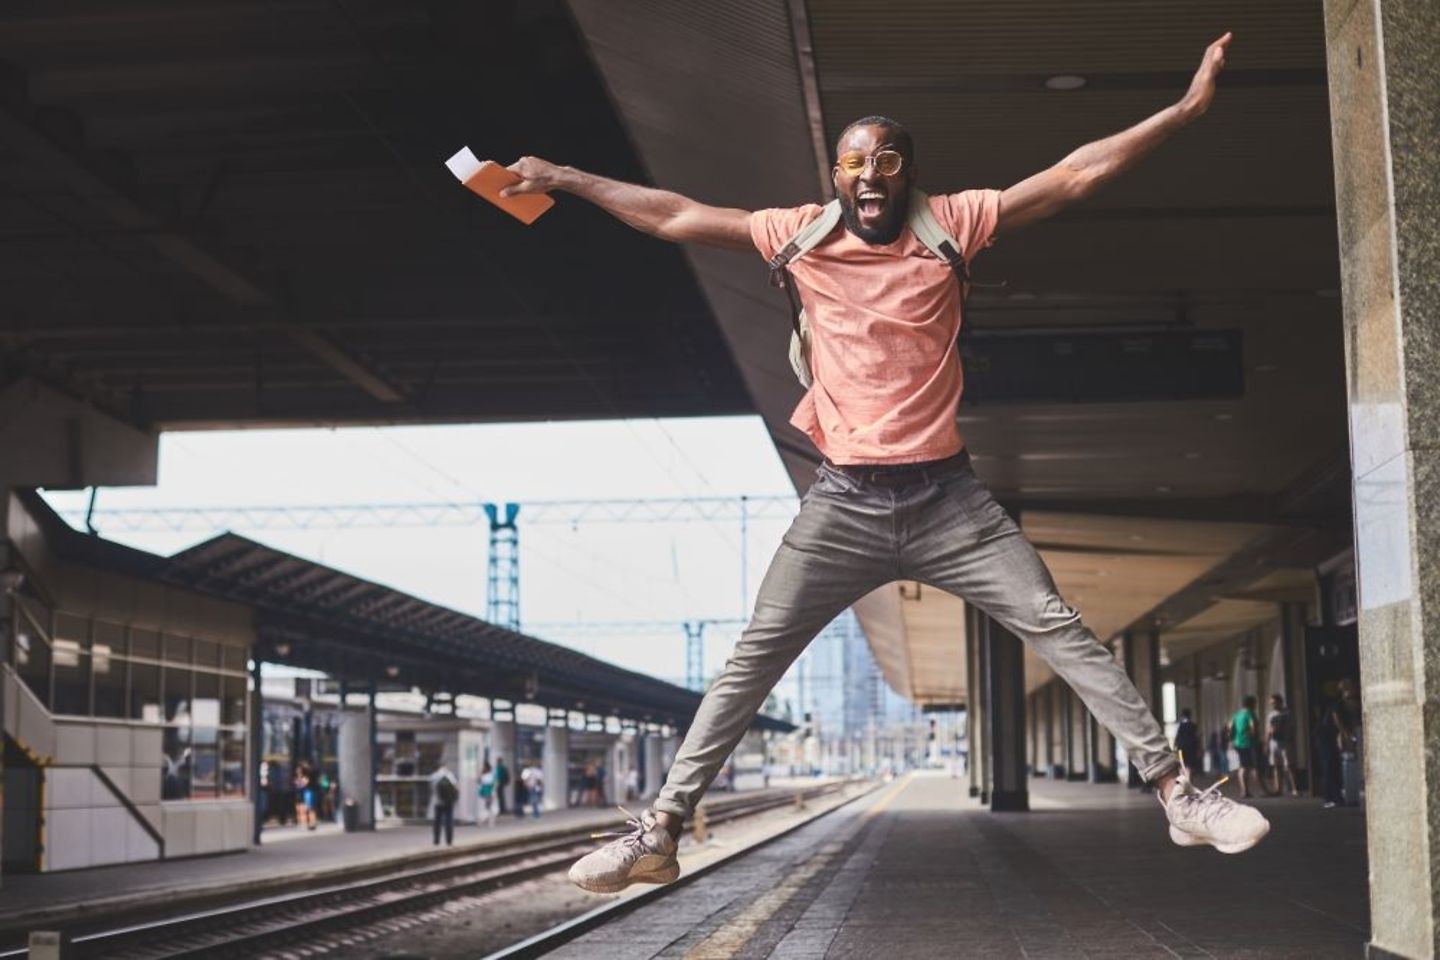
pixel 887 231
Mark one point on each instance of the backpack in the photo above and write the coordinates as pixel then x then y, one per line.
pixel 921 222
pixel 445 792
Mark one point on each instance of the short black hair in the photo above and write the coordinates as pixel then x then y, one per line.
pixel 896 128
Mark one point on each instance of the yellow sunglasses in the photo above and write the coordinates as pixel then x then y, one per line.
pixel 887 162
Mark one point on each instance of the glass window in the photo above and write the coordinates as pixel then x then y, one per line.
pixel 70 627
pixel 177 649
pixel 111 636
pixel 232 700
pixel 177 695
pixel 32 661
pixel 237 658
pixel 206 707
pixel 204 763
pixel 175 774
pixel 144 643
pixel 232 763
pixel 145 692
pixel 207 653
pixel 72 678
pixel 109 682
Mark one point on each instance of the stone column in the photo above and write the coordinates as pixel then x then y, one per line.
pixel 974 703
pixel 555 767
pixel 1297 695
pixel 1032 721
pixel 6 618
pixel 1385 126
pixel 355 765
pixel 1079 760
pixel 1005 718
pixel 1055 693
pixel 653 772
pixel 1142 664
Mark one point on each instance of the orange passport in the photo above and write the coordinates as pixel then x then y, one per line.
pixel 486 178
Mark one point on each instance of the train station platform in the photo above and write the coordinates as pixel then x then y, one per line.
pixel 920 870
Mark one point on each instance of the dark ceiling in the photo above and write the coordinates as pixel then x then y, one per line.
pixel 236 212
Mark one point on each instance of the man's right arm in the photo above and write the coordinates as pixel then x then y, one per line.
pixel 659 213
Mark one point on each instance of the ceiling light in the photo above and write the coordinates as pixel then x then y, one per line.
pixel 1064 81
pixel 1136 537
pixel 1224 416
pixel 1192 455
pixel 1162 489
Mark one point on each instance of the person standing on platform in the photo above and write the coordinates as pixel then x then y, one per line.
pixel 1187 742
pixel 534 779
pixel 1278 734
pixel 1245 737
pixel 489 796
pixel 444 791
pixel 502 781
pixel 896 496
pixel 520 793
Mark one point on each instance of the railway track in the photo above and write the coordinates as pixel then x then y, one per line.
pixel 254 926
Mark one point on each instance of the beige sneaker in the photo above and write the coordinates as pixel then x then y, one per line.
pixel 1198 817
pixel 643 854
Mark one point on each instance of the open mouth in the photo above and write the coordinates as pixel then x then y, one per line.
pixel 870 203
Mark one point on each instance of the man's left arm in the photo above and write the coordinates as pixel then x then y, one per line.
pixel 1095 164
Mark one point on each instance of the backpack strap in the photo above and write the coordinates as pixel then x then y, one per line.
pixel 802 243
pixel 929 232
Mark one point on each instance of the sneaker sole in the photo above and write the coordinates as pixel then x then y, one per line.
pixel 1183 839
pixel 667 874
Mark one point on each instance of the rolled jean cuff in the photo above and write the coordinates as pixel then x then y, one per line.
pixel 1165 765
pixel 661 805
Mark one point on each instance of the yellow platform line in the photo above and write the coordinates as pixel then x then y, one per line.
pixel 732 937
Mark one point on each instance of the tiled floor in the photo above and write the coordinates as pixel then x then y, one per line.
pixel 1090 872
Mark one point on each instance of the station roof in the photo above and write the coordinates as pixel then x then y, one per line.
pixel 223 213
pixel 313 616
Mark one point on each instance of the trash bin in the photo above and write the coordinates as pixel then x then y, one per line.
pixel 350 814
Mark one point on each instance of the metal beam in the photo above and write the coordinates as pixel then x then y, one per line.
pixel 185 252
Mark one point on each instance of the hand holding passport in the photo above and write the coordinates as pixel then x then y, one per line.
pixel 486 178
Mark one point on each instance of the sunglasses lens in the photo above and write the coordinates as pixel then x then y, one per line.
pixel 888 162
pixel 852 163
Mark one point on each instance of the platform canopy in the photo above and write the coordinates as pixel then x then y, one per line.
pixel 313 616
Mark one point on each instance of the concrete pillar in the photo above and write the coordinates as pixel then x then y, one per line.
pixel 1044 707
pixel 653 772
pixel 1297 688
pixel 1032 725
pixel 975 703
pixel 555 766
pixel 1005 718
pixel 973 717
pixel 372 733
pixel 1059 694
pixel 255 753
pixel 356 762
pixel 6 617
pixel 1385 125
pixel 1079 759
pixel 1142 663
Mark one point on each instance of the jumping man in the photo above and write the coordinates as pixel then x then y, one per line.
pixel 895 498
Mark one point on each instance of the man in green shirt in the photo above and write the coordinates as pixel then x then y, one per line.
pixel 1244 727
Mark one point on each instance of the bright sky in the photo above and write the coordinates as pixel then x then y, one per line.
pixel 590 572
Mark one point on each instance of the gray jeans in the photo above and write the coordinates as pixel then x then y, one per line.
pixel 944 530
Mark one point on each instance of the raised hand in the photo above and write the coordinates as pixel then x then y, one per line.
pixel 536 176
pixel 1202 89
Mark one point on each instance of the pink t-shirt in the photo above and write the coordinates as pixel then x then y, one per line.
pixel 883 324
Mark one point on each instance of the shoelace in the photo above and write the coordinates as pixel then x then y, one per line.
pixel 1208 804
pixel 632 836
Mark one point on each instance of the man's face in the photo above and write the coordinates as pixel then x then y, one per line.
pixel 875 206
